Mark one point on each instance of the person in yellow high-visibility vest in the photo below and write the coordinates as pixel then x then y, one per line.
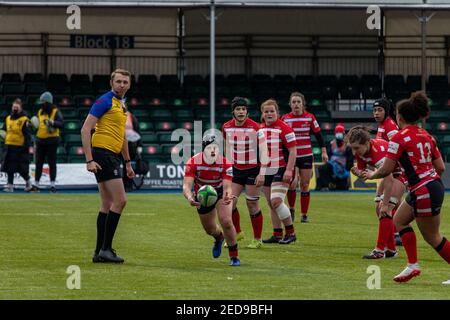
pixel 17 141
pixel 47 139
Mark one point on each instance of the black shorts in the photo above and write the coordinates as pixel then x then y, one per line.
pixel 204 210
pixel 110 163
pixel 277 177
pixel 304 162
pixel 245 177
pixel 427 200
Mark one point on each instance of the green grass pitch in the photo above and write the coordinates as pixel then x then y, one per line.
pixel 168 256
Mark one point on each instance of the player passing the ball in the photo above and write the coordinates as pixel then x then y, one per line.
pixel 415 149
pixel 371 154
pixel 209 167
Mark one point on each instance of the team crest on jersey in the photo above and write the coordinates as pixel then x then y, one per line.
pixel 230 171
pixel 407 138
pixel 393 147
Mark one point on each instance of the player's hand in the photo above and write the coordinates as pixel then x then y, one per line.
pixel 130 171
pixel 194 203
pixel 139 150
pixel 287 176
pixel 355 171
pixel 93 167
pixel 367 175
pixel 259 181
pixel 324 156
pixel 385 211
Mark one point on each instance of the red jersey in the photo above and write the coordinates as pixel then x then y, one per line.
pixel 415 149
pixel 280 137
pixel 375 158
pixel 211 174
pixel 387 129
pixel 302 126
pixel 242 143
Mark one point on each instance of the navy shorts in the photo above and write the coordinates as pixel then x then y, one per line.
pixel 304 162
pixel 427 200
pixel 110 163
pixel 277 177
pixel 245 177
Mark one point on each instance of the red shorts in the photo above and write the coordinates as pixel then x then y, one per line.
pixel 427 200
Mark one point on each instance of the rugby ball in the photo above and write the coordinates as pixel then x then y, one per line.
pixel 207 196
pixel 2 135
pixel 34 122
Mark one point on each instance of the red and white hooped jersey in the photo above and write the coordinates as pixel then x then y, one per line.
pixel 279 137
pixel 415 149
pixel 387 129
pixel 208 174
pixel 374 159
pixel 302 126
pixel 242 142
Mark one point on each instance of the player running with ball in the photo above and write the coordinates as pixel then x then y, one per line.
pixel 211 168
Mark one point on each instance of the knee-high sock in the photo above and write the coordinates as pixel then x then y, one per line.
pixel 257 224
pixel 409 243
pixel 110 228
pixel 444 250
pixel 236 220
pixel 292 196
pixel 304 202
pixel 101 225
pixel 384 233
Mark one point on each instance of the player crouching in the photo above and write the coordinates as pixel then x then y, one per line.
pixel 211 168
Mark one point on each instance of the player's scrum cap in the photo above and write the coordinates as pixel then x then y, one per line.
pixel 45 97
pixel 238 102
pixel 383 103
pixel 207 140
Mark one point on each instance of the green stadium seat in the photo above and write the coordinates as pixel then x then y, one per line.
pixel 61 154
pixel 100 83
pixel 13 89
pixel 188 125
pixel 63 101
pixel 76 154
pixel 82 100
pixel 72 127
pixel 83 112
pixel 161 114
pixel 69 113
pixel 33 77
pixel 11 77
pixel 153 153
pixel 165 137
pixel 183 114
pixel 140 113
pixel 445 141
pixel 35 88
pixel 165 126
pixel 145 126
pixel 149 137
pixel 72 140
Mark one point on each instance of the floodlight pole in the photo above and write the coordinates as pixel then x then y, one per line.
pixel 212 61
pixel 423 19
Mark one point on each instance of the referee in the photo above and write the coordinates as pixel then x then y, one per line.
pixel 103 151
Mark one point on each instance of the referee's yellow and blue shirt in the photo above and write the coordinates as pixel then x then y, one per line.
pixel 110 128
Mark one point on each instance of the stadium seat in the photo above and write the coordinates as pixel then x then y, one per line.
pixel 165 126
pixel 72 140
pixel 33 77
pixel 142 114
pixel 58 84
pixel 100 83
pixel 83 112
pixel 145 126
pixel 149 137
pixel 162 114
pixel 188 125
pixel 35 88
pixel 72 127
pixel 165 137
pixel 11 78
pixel 76 154
pixel 183 114
pixel 152 153
pixel 69 113
pixel 80 84
pixel 414 83
pixel 61 154
pixel 13 89
pixel 83 100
